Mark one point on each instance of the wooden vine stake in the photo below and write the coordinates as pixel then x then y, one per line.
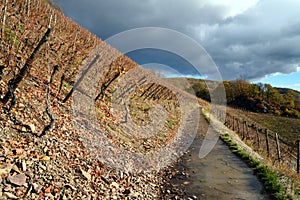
pixel 4 17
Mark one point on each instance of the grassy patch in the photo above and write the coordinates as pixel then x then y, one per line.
pixel 160 135
pixel 170 122
pixel 270 181
pixel 202 181
pixel 268 178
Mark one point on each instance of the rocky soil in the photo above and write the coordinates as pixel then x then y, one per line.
pixel 59 167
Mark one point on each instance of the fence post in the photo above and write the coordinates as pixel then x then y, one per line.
pixel 298 156
pixel 247 130
pixel 267 141
pixel 258 138
pixel 278 147
pixel 238 125
pixel 243 137
pixel 233 123
pixel 227 120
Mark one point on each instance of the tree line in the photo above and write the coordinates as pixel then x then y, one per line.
pixel 257 97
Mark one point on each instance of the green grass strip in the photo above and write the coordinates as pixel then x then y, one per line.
pixel 267 177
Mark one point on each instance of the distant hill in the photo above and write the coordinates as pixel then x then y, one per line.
pixel 261 98
pixel 295 94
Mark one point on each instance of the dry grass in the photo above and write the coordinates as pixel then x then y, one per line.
pixel 287 128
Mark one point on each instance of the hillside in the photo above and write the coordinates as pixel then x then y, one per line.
pixel 54 73
pixel 79 120
pixel 294 93
pixel 260 98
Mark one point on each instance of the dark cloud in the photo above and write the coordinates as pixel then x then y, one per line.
pixel 248 42
pixel 107 18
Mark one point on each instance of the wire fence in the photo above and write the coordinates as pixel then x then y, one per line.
pixel 264 141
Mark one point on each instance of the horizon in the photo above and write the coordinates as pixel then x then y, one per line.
pixel 272 80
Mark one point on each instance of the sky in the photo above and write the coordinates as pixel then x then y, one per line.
pixel 257 40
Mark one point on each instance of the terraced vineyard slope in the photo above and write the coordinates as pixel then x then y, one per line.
pixel 46 60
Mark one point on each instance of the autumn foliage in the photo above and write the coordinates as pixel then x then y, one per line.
pixel 259 97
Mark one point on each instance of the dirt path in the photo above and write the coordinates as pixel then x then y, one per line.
pixel 220 175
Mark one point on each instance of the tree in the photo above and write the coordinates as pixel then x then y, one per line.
pixel 201 90
pixel 241 88
pixel 260 90
pixel 289 99
pixel 254 90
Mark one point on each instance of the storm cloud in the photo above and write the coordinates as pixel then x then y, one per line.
pixel 246 39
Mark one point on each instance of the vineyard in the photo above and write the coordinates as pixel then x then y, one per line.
pixel 48 66
pixel 59 83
